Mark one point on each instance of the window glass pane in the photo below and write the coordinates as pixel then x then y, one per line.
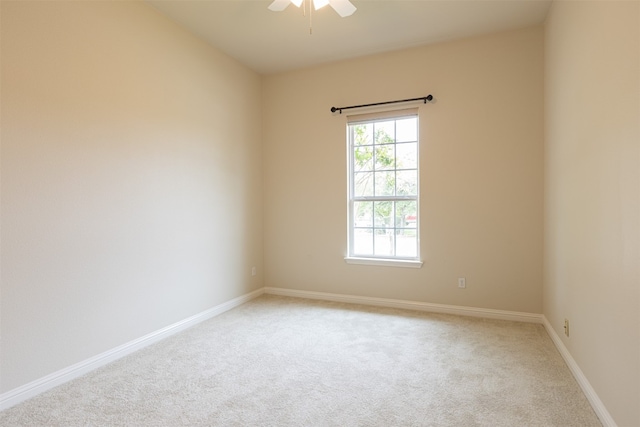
pixel 363 241
pixel 363 158
pixel 385 132
pixel 363 214
pixel 384 243
pixel 407 130
pixel 385 183
pixel 363 184
pixel 407 156
pixel 407 183
pixel 383 214
pixel 406 214
pixel 406 243
pixel 362 134
pixel 384 165
pixel 385 158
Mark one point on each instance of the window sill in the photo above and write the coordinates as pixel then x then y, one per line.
pixel 386 262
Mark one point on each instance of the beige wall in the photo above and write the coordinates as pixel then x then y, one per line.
pixel 132 170
pixel 131 180
pixel 481 178
pixel 592 194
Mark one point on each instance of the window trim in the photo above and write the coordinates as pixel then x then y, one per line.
pixel 381 260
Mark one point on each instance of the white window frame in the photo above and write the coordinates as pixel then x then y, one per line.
pixel 393 261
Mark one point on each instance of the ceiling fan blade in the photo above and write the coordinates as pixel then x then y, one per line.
pixel 343 7
pixel 279 5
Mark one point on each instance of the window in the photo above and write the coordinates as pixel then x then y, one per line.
pixel 383 187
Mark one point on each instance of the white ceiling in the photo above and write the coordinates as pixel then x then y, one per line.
pixel 270 42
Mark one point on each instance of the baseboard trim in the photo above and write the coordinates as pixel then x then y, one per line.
pixel 27 391
pixel 410 305
pixel 601 411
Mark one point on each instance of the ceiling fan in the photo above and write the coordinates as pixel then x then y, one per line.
pixel 343 7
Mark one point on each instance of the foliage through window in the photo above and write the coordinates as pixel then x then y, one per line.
pixel 383 187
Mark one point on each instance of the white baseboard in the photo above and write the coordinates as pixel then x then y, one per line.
pixel 27 391
pixel 411 305
pixel 589 392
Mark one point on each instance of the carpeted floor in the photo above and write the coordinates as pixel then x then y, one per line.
pixel 279 361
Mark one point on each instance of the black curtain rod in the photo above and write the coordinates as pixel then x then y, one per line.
pixel 422 98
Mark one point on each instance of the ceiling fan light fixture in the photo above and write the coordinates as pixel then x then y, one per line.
pixel 344 8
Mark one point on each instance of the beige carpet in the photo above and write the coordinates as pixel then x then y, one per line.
pixel 279 361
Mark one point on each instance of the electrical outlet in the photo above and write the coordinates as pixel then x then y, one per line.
pixel 462 282
pixel 253 271
pixel 566 327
